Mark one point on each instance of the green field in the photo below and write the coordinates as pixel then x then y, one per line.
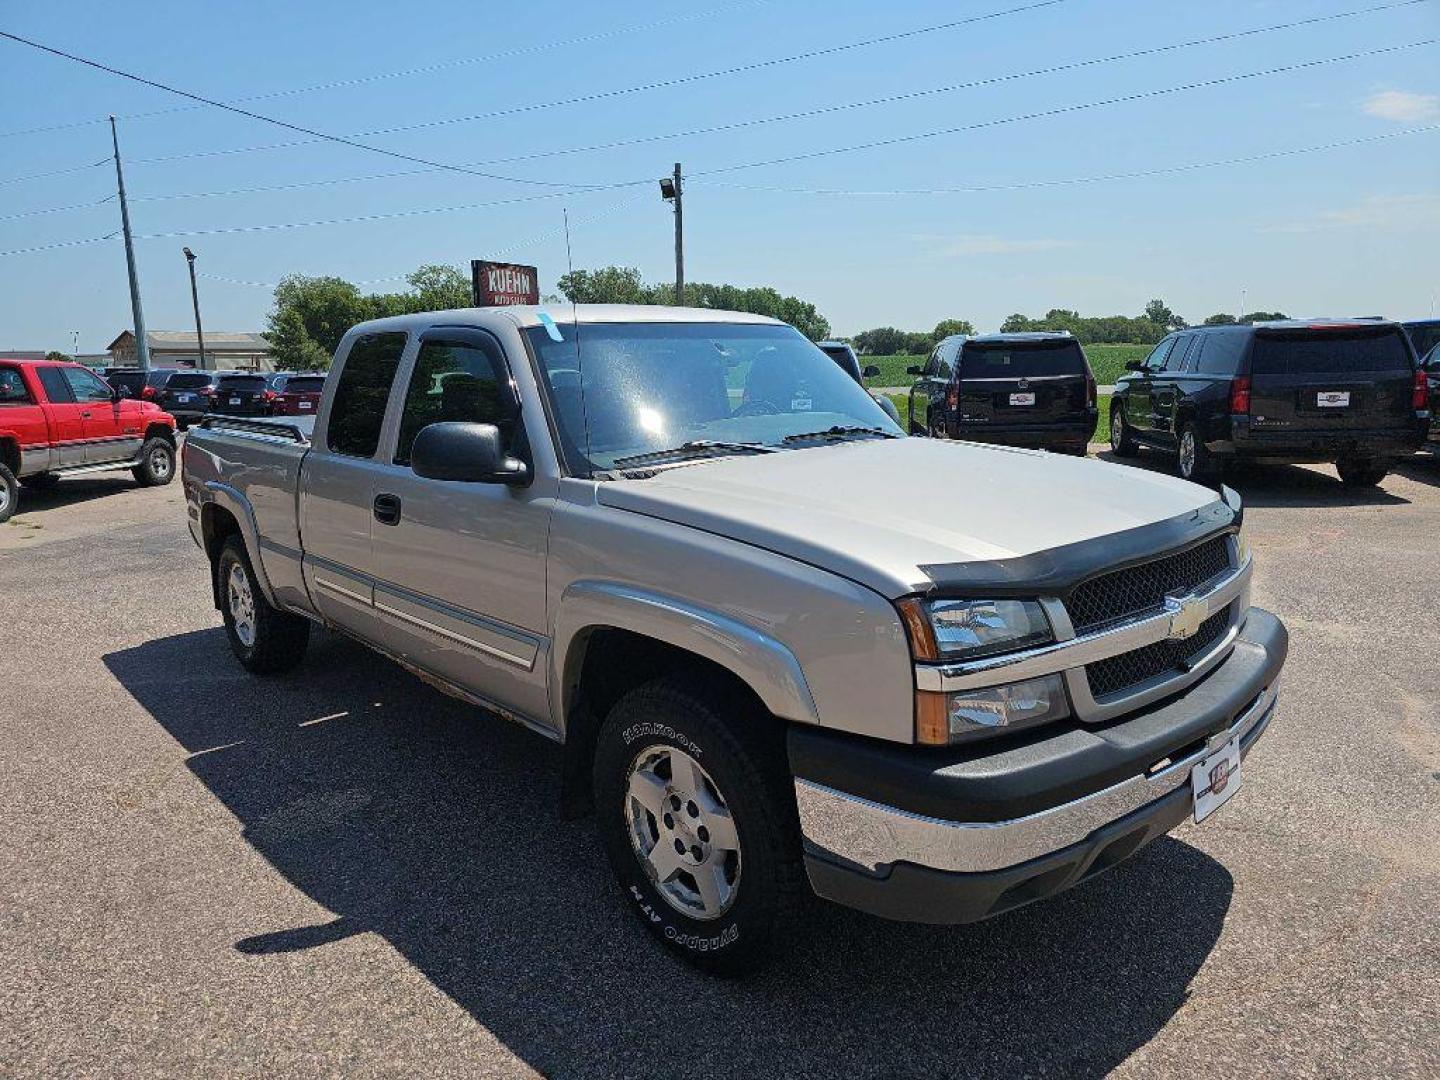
pixel 1102 429
pixel 1107 360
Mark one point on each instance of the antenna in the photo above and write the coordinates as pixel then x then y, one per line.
pixel 575 320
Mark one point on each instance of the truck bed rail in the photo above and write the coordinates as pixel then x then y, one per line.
pixel 290 430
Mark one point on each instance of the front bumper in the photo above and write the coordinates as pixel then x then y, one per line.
pixel 960 835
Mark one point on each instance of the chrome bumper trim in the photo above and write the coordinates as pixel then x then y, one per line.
pixel 1075 652
pixel 874 836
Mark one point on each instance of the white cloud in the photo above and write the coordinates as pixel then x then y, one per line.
pixel 1412 212
pixel 1403 106
pixel 958 246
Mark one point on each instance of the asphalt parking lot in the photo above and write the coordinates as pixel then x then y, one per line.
pixel 345 871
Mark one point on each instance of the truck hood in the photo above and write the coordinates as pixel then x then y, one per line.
pixel 880 512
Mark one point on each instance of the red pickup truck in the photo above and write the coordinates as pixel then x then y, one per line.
pixel 59 419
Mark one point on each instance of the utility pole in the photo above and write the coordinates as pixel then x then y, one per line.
pixel 142 347
pixel 679 238
pixel 195 299
pixel 671 190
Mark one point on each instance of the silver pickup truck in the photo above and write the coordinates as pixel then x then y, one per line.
pixel 788 649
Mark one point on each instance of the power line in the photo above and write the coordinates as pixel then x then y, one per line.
pixel 54 172
pixel 1079 180
pixel 320 135
pixel 1061 110
pixel 808 113
pixel 427 69
pixel 57 209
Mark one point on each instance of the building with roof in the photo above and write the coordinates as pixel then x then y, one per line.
pixel 224 350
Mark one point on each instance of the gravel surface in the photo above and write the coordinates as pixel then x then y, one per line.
pixel 343 871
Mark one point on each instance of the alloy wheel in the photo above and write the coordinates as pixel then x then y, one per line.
pixel 1117 429
pixel 1187 454
pixel 159 463
pixel 242 604
pixel 682 832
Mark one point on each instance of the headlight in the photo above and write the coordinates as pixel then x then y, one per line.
pixel 962 629
pixel 944 719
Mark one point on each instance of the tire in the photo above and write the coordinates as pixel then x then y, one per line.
pixel 9 494
pixel 265 640
pixel 40 481
pixel 1122 442
pixel 1361 473
pixel 712 771
pixel 1193 461
pixel 157 464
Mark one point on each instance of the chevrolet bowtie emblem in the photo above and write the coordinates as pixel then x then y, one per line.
pixel 1186 615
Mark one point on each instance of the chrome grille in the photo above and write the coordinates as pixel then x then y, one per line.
pixel 1119 673
pixel 1141 590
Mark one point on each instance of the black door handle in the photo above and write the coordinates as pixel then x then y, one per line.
pixel 387 509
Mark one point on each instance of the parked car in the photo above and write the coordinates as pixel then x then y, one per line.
pixel 242 394
pixel 1424 335
pixel 773 657
pixel 1335 391
pixel 60 419
pixel 1430 367
pixel 844 355
pixel 301 396
pixel 1034 390
pixel 130 381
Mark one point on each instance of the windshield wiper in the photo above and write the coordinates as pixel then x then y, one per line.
pixel 838 432
pixel 693 448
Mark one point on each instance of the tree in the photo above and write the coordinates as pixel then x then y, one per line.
pixel 441 288
pixel 882 341
pixel 1161 315
pixel 1263 316
pixel 948 327
pixel 608 285
pixel 1220 318
pixel 59 357
pixel 311 316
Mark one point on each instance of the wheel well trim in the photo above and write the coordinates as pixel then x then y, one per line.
pixel 224 497
pixel 761 662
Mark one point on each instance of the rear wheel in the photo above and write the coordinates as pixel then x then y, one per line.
pixel 1192 460
pixel 1122 442
pixel 1357 472
pixel 9 493
pixel 266 640
pixel 697 814
pixel 157 464
pixel 42 481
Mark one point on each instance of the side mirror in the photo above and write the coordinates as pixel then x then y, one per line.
pixel 914 369
pixel 1134 365
pixel 870 371
pixel 471 453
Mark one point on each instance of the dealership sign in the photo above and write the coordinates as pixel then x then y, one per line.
pixel 496 284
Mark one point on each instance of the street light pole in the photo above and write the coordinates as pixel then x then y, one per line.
pixel 142 345
pixel 195 299
pixel 679 238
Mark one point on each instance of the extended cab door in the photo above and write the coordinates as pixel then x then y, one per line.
pixel 110 434
pixel 337 482
pixel 460 567
pixel 67 423
pixel 22 421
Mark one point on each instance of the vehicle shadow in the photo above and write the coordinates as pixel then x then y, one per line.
pixel 1423 468
pixel 73 492
pixel 1275 485
pixel 415 817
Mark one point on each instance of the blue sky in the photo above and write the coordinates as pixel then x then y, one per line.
pixel 1346 231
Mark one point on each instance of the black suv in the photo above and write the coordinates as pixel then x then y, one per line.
pixel 844 356
pixel 1034 390
pixel 1347 392
pixel 243 394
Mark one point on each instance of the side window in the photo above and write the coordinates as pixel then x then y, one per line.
pixel 1222 353
pixel 932 366
pixel 360 396
pixel 1178 355
pixel 84 385
pixel 1156 360
pixel 57 387
pixel 12 387
pixel 454 381
pixel 945 359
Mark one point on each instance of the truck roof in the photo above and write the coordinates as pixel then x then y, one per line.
pixel 525 315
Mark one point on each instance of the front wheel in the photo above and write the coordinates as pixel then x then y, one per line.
pixel 1360 473
pixel 9 493
pixel 697 815
pixel 157 464
pixel 266 640
pixel 1122 442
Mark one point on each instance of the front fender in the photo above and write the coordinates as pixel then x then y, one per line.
pixel 767 666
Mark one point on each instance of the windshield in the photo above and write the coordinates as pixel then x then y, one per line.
pixel 1014 359
pixel 243 382
pixel 636 388
pixel 187 382
pixel 1329 352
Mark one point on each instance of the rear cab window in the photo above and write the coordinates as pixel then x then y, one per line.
pixel 357 412
pixel 12 387
pixel 1016 359
pixel 1348 350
